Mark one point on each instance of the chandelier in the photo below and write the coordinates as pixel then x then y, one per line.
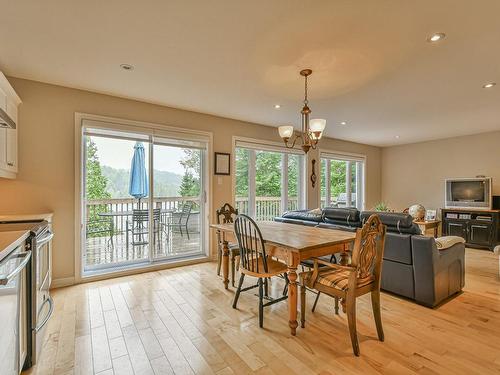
pixel 312 130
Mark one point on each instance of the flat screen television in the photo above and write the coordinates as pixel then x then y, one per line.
pixel 473 193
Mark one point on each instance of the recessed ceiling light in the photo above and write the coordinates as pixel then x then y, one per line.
pixel 277 106
pixel 436 37
pixel 127 67
pixel 396 136
pixel 489 85
pixel 343 123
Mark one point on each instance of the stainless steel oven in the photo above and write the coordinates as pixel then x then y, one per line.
pixel 39 305
pixel 14 327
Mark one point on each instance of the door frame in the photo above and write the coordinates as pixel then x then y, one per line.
pixel 114 123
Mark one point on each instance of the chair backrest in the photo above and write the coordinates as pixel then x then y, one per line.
pixel 185 211
pixel 252 249
pixel 227 213
pixel 142 216
pixel 368 250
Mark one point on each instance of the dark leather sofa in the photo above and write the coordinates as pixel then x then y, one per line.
pixel 413 267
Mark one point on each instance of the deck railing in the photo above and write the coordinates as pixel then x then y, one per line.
pixel 266 208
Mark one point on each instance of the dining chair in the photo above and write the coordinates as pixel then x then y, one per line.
pixel 346 283
pixel 254 262
pixel 226 215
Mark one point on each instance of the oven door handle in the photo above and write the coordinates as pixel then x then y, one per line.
pixel 26 256
pixel 42 241
pixel 49 314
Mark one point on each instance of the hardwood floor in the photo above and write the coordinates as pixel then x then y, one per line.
pixel 180 321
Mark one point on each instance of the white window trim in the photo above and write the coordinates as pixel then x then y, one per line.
pixel 346 156
pixel 141 127
pixel 263 145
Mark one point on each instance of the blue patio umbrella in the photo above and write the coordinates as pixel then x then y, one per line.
pixel 138 186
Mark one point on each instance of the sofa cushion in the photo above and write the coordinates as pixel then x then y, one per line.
pixel 350 214
pixel 398 248
pixel 295 221
pixel 398 278
pixel 305 215
pixel 337 226
pixel 395 221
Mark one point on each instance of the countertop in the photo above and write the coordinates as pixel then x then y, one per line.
pixel 10 240
pixel 27 217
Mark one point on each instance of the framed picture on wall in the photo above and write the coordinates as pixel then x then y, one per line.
pixel 222 163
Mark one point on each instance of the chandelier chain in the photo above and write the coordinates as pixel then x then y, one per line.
pixel 306 101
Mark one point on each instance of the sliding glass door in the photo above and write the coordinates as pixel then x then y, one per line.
pixel 268 180
pixel 342 181
pixel 143 198
pixel 180 206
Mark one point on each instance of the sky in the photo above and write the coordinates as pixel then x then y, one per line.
pixel 118 153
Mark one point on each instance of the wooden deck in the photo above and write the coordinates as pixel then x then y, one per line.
pixel 102 252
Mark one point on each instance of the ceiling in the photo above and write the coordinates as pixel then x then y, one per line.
pixel 372 65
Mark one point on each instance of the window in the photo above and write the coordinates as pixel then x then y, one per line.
pixel 342 180
pixel 269 180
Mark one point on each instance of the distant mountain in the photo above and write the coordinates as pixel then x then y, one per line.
pixel 166 184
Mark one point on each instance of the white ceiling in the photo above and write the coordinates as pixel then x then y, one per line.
pixel 372 65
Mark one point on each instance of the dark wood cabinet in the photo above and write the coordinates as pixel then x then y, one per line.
pixel 478 228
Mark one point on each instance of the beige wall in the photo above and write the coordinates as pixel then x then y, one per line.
pixel 46 154
pixel 415 173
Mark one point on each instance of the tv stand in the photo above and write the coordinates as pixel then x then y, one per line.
pixel 478 228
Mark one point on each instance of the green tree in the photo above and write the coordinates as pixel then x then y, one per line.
pixel 190 184
pixel 96 182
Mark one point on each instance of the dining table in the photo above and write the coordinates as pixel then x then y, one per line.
pixel 290 243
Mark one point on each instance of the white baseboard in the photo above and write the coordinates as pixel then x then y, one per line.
pixel 62 282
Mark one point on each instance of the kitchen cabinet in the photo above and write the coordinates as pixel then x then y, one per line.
pixel 9 102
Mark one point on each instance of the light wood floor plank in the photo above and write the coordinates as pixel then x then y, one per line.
pixel 180 321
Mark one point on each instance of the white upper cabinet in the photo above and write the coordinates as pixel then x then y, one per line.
pixel 9 102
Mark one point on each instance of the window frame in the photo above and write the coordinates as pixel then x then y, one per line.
pixel 254 145
pixel 348 157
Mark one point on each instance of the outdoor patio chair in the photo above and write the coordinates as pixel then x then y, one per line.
pixel 137 229
pixel 100 226
pixel 180 219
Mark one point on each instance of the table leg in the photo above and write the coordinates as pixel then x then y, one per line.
pixel 435 232
pixel 292 299
pixel 344 256
pixel 225 264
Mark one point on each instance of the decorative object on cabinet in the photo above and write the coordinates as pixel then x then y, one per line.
pixel 313 174
pixel 222 163
pixel 430 215
pixel 417 211
pixel 9 101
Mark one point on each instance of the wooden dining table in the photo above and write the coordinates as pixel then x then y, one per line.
pixel 292 244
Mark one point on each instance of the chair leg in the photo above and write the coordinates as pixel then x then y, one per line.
pixel 376 313
pixel 337 305
pixel 351 319
pixel 232 269
pixel 285 289
pixel 238 291
pixel 315 302
pixel 266 287
pixel 187 232
pixel 303 306
pixel 261 303
pixel 219 260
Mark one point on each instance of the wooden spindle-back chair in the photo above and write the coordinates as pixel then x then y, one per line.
pixel 226 215
pixel 255 262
